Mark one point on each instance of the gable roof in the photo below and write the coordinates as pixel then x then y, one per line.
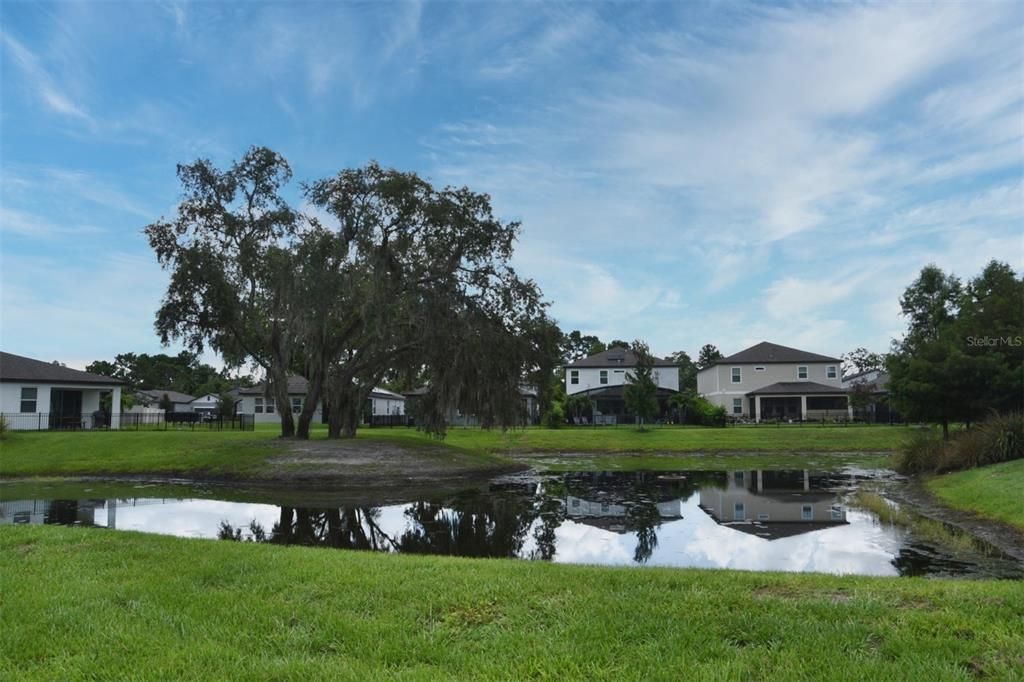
pixel 19 368
pixel 616 357
pixel 767 353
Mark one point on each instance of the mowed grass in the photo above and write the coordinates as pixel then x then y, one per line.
pixel 995 491
pixel 87 603
pixel 608 439
pixel 245 454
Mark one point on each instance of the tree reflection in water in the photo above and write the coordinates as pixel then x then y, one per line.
pixel 495 523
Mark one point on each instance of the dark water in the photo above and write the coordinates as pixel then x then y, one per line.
pixel 796 521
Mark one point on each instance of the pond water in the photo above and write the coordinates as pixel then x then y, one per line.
pixel 793 520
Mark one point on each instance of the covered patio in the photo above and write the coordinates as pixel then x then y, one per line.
pixel 799 401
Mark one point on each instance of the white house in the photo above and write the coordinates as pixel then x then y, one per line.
pixel 152 397
pixel 769 381
pixel 205 404
pixel 603 376
pixel 257 402
pixel 39 395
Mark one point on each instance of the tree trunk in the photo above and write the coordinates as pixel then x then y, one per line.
pixel 945 429
pixel 284 524
pixel 313 395
pixel 284 408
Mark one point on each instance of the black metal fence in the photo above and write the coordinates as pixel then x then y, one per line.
pixel 387 420
pixel 128 421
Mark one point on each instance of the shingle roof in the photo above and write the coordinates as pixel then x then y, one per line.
pixel 19 368
pixel 616 357
pixel 157 394
pixel 767 353
pixel 798 388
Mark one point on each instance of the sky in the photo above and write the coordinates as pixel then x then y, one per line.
pixel 685 173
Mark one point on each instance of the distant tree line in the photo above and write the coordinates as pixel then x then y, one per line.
pixel 182 372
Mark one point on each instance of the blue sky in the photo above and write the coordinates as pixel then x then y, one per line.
pixel 686 173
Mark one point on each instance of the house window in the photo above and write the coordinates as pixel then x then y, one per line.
pixel 837 512
pixel 737 405
pixel 604 376
pixel 739 512
pixel 759 369
pixel 575 502
pixel 296 405
pixel 574 376
pixel 259 406
pixel 737 477
pixel 28 398
pixel 737 375
pixel 801 372
pixel 763 517
pixel 270 406
pixel 807 512
pixel 830 371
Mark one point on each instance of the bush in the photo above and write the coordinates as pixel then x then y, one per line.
pixel 1000 438
pixel 920 454
pixel 554 418
pixel 704 412
pixel 3 427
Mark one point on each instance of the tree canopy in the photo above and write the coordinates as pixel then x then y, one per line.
pixel 708 355
pixel 391 277
pixel 641 391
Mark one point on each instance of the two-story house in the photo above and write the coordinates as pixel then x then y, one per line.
pixel 769 381
pixel 603 377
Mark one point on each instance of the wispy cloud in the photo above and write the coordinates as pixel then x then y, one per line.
pixel 37 79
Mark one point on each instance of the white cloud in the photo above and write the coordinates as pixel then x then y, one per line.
pixel 38 79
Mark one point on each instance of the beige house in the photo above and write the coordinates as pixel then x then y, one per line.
pixel 769 381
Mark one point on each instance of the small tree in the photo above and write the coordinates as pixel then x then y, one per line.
pixel 165 403
pixel 578 404
pixel 641 393
pixel 708 355
pixel 226 406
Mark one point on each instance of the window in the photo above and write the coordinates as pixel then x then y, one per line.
pixel 575 502
pixel 801 372
pixel 830 371
pixel 574 376
pixel 259 406
pixel 737 405
pixel 270 406
pixel 759 369
pixel 737 477
pixel 737 375
pixel 739 512
pixel 837 512
pixel 807 512
pixel 604 376
pixel 763 517
pixel 28 398
pixel 296 405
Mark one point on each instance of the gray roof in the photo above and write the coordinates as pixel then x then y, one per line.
pixel 879 385
pixel 767 353
pixel 19 368
pixel 157 394
pixel 798 388
pixel 616 357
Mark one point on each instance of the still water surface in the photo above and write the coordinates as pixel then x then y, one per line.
pixel 793 520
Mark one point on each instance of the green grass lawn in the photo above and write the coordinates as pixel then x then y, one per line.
pixel 993 491
pixel 87 603
pixel 244 454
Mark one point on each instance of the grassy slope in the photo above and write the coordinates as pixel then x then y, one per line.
pixel 90 603
pixel 244 453
pixel 993 491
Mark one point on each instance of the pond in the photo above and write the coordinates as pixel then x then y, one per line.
pixel 782 520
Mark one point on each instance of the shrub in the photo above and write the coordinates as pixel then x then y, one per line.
pixel 999 438
pixel 704 412
pixel 920 454
pixel 554 418
pixel 3 427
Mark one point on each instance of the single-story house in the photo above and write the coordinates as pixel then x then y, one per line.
pixel 152 397
pixel 205 404
pixel 255 401
pixel 455 416
pixel 38 395
pixel 769 381
pixel 874 383
pixel 603 377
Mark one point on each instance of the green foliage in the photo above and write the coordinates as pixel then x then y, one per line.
pixel 708 355
pixel 704 412
pixel 687 371
pixel 578 405
pixel 640 392
pixel 1000 438
pixel 963 353
pixel 554 418
pixel 225 405
pixel 576 346
pixel 165 403
pixel 182 372
pixel 861 360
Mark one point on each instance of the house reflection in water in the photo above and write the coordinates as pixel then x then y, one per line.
pixel 774 504
pixel 614 515
pixel 62 512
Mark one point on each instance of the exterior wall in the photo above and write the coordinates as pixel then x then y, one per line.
pixel 10 400
pixel 862 379
pixel 758 507
pixel 206 403
pixel 247 405
pixel 392 406
pixel 590 378
pixel 715 383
